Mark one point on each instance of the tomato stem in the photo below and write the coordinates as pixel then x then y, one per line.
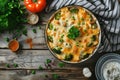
pixel 34 0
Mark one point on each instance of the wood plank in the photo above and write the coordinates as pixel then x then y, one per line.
pixel 31 59
pixel 38 38
pixel 34 58
pixel 15 75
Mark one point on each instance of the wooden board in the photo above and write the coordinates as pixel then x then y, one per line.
pixel 34 58
pixel 38 38
pixel 29 60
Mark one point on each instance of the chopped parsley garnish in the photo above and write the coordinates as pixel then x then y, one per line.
pixel 85 56
pixel 89 44
pixel 61 38
pixel 57 16
pixel 50 38
pixel 73 33
pixel 73 17
pixel 68 57
pixel 93 38
pixel 94 26
pixel 50 26
pixel 74 10
pixel 57 50
pixel 77 43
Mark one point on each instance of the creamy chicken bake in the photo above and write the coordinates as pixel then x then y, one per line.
pixel 72 34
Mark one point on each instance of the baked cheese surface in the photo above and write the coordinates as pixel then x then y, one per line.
pixel 73 34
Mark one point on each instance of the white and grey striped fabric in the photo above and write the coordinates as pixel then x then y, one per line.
pixel 108 14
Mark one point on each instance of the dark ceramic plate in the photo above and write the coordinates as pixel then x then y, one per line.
pixel 110 57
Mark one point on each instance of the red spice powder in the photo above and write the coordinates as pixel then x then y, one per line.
pixel 29 41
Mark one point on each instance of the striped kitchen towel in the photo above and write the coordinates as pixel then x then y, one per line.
pixel 108 14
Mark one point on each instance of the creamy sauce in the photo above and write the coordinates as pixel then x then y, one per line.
pixel 111 71
pixel 75 31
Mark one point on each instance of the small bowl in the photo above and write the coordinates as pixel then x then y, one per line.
pixel 13 45
pixel 109 57
pixel 105 63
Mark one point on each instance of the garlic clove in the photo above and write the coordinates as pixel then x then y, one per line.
pixel 86 72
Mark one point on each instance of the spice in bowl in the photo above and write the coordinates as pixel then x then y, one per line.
pixel 13 45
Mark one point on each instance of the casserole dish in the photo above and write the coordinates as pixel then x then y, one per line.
pixel 73 34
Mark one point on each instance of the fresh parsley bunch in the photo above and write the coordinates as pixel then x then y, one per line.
pixel 11 15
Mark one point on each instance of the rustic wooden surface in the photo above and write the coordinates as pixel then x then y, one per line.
pixel 30 59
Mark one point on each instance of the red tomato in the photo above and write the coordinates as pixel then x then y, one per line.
pixel 35 5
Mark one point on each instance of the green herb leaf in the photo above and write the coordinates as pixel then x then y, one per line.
pixel 55 76
pixel 7 39
pixel 73 33
pixel 61 64
pixel 50 26
pixel 94 26
pixel 34 30
pixel 48 61
pixel 61 39
pixel 89 44
pixel 85 56
pixel 73 17
pixel 74 10
pixel 7 65
pixel 15 65
pixel 57 50
pixel 33 72
pixel 50 38
pixel 25 32
pixel 40 67
pixel 93 38
pixel 57 16
pixel 68 57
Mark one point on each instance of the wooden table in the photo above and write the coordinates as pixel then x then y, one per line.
pixel 30 59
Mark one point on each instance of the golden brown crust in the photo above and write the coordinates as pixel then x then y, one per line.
pixel 82 45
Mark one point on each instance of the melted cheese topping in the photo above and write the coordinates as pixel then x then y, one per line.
pixel 84 44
